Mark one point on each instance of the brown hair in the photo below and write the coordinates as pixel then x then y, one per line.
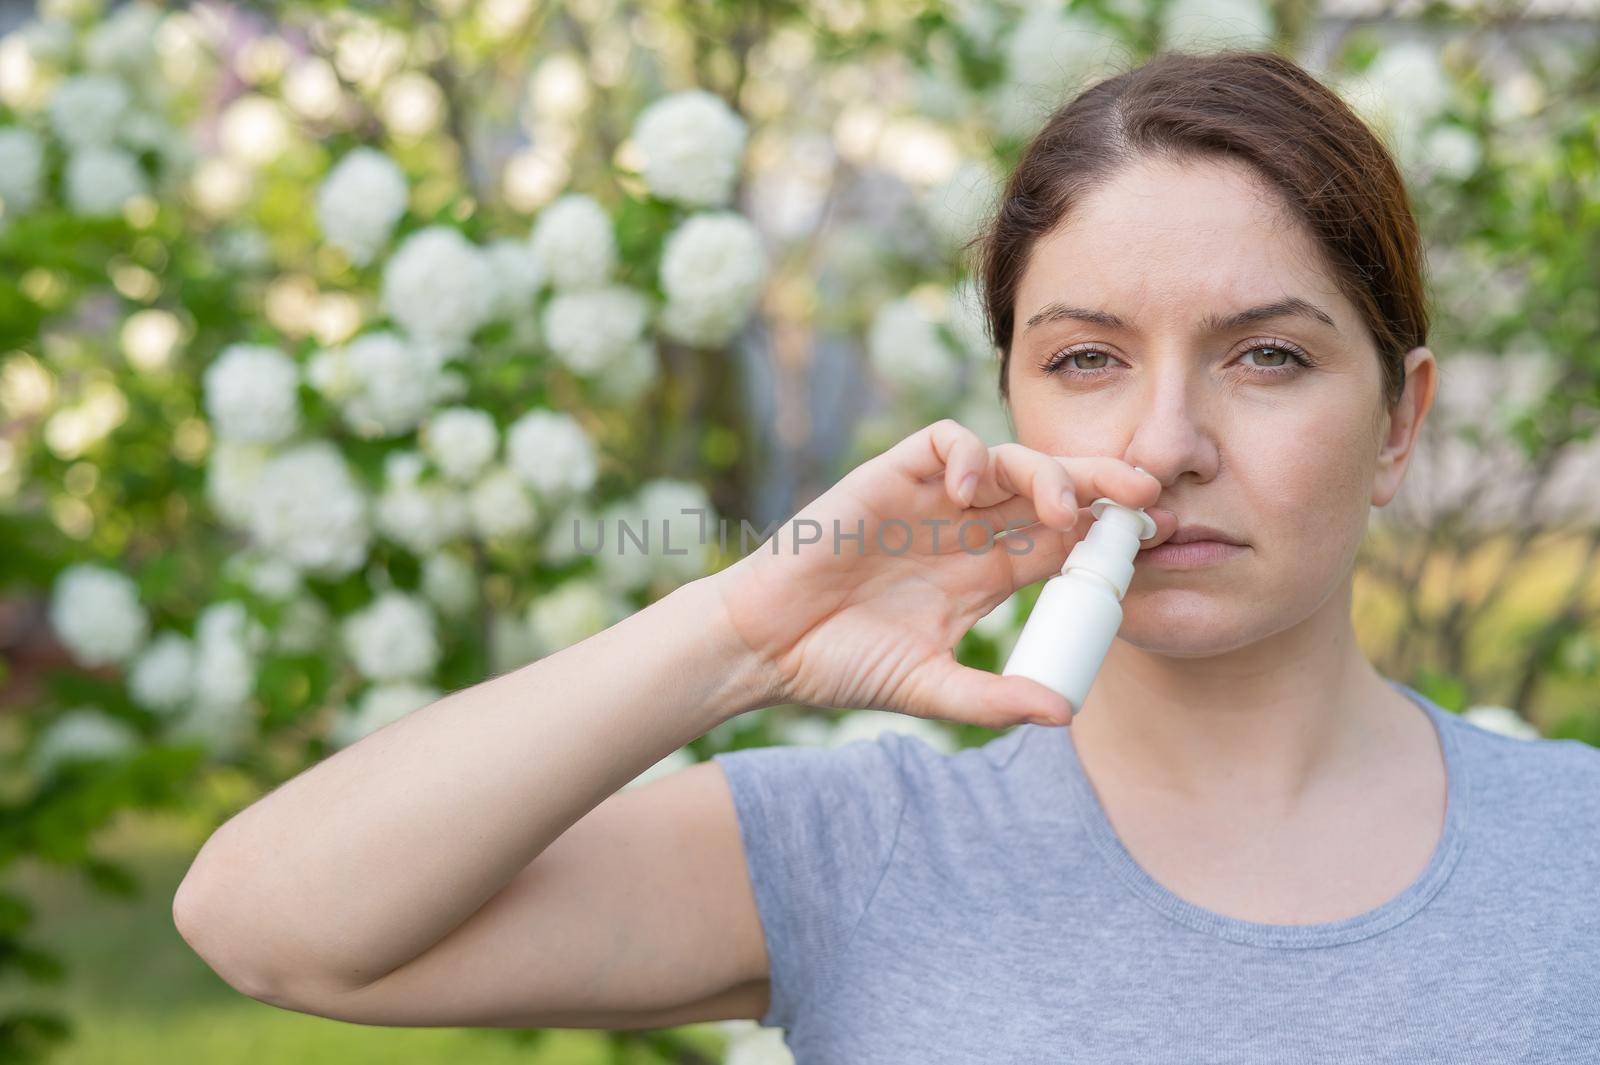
pixel 1259 107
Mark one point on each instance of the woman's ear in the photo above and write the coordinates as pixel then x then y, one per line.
pixel 1403 424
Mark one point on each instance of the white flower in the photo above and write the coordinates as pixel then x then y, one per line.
pixel 1402 93
pixel 21 169
pixel 965 317
pixel 1503 720
pixel 751 1044
pixel 86 110
pixel 588 328
pixel 1051 51
pixel 712 269
pixel 266 575
pixel 671 763
pixel 382 704
pixel 630 376
pixel 49 41
pixel 383 383
pixel 649 537
pixel 1452 152
pixel 439 287
pixel 692 144
pixel 574 242
pixel 984 413
pixel 96 613
pixel 518 276
pixel 461 441
pixel 811 730
pixel 551 453
pixel 500 506
pixel 245 248
pixel 231 479
pixel 1211 24
pixel 572 534
pixel 360 201
pixel 162 678
pixel 144 131
pixel 511 644
pixel 82 734
pixel 100 181
pixel 303 627
pixel 977 19
pixel 330 373
pixel 1516 97
pixel 124 41
pixel 1000 623
pixel 869 724
pixel 251 394
pixel 223 729
pixel 309 509
pixel 392 638
pixel 573 611
pixel 226 640
pixel 221 718
pixel 906 350
pixel 959 206
pixel 683 540
pixel 404 467
pixel 421 516
pixel 628 540
pixel 450 583
pixel 75 11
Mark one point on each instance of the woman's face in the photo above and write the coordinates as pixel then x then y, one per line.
pixel 1122 347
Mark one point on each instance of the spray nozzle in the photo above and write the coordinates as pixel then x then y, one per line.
pixel 1112 542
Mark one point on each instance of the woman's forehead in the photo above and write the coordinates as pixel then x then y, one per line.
pixel 1198 235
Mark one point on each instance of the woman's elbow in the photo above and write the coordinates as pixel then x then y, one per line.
pixel 210 913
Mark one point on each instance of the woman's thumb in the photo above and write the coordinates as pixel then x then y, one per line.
pixel 960 693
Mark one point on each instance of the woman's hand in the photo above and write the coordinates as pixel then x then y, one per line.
pixel 872 621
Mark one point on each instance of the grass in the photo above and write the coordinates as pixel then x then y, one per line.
pixel 137 995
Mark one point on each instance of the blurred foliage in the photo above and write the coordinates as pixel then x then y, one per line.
pixel 876 131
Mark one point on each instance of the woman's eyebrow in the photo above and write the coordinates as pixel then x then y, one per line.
pixel 1286 307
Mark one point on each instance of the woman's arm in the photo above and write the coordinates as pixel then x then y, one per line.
pixel 358 889
pixel 475 864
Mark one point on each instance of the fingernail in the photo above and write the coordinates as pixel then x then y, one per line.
pixel 1069 500
pixel 966 487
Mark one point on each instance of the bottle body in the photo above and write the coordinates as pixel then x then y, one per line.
pixel 1067 635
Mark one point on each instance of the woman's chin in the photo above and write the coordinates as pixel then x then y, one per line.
pixel 1185 623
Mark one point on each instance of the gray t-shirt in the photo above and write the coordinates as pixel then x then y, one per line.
pixel 978 906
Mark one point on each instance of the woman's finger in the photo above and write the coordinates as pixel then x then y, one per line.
pixel 1015 470
pixel 1037 551
pixel 946 447
pixel 953 692
pixel 1094 476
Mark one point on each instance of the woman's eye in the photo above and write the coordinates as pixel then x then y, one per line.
pixel 1282 353
pixel 1280 359
pixel 1270 360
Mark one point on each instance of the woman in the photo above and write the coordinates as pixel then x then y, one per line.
pixel 1204 279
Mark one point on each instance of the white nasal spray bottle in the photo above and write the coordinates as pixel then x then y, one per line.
pixel 1067 635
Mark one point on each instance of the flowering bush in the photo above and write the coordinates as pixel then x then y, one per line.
pixel 337 339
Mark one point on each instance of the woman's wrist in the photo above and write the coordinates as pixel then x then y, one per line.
pixel 747 681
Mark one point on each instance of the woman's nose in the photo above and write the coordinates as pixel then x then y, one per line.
pixel 1169 437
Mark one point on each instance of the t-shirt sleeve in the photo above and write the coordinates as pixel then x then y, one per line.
pixel 818 827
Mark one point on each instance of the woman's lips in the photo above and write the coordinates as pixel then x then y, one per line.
pixel 1192 555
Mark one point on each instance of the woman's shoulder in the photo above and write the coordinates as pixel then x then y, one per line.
pixel 1530 784
pixel 1500 742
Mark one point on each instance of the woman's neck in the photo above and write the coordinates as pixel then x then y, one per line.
pixel 1264 723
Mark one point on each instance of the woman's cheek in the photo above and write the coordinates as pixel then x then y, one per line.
pixel 1315 475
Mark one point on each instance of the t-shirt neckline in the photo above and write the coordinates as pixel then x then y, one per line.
pixel 1327 933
